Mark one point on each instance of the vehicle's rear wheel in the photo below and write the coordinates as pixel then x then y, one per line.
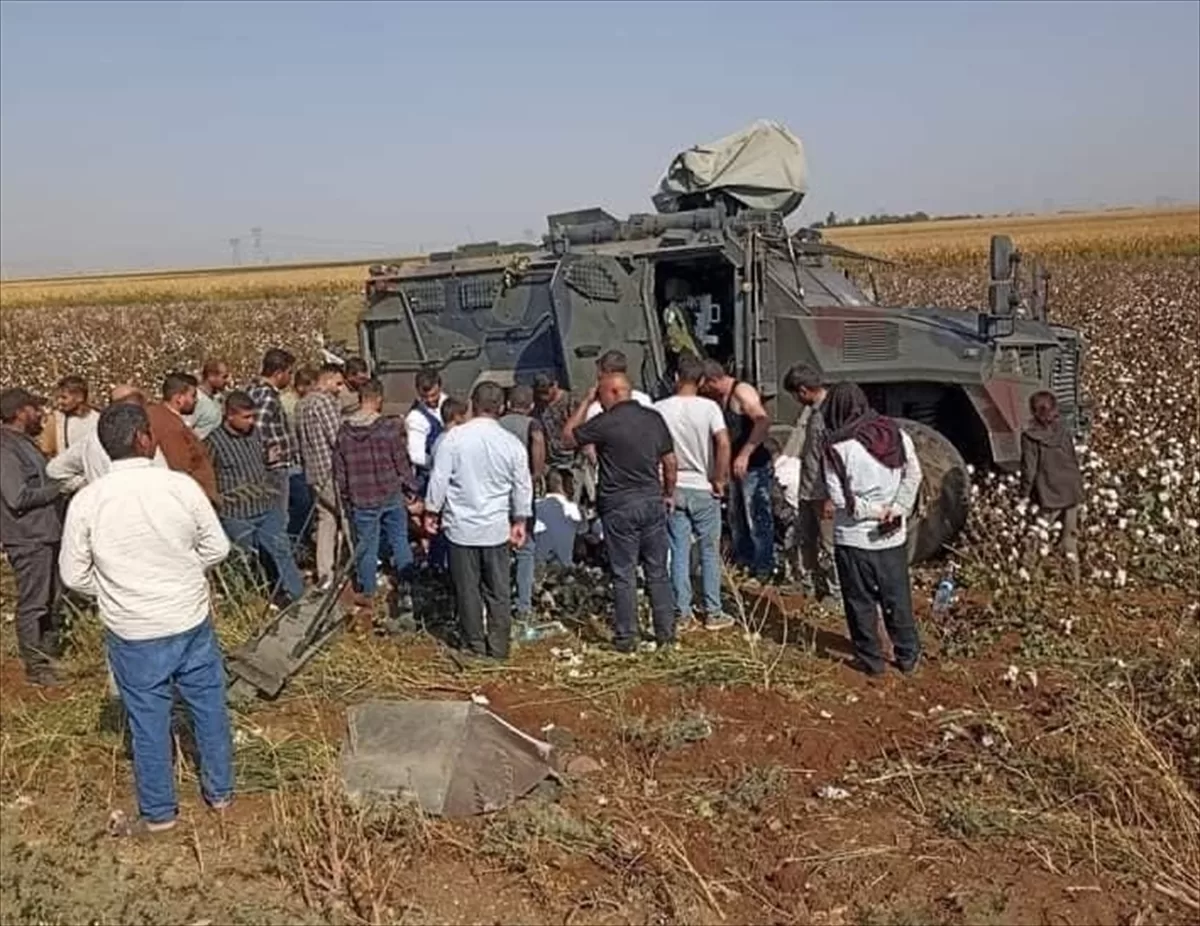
pixel 945 496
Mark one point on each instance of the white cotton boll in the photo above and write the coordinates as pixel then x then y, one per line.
pixel 1192 524
pixel 1164 497
pixel 1167 515
pixel 1120 578
pixel 1122 523
pixel 1143 472
pixel 1023 574
pixel 1139 534
pixel 1044 550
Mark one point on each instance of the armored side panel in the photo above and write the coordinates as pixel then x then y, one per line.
pixel 472 320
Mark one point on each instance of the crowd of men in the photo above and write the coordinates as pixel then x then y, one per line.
pixel 131 506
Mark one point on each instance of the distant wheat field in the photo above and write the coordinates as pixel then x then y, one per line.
pixel 1120 233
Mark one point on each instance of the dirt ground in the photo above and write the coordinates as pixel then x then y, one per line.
pixel 708 800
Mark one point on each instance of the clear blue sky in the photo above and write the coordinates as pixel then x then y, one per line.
pixel 146 134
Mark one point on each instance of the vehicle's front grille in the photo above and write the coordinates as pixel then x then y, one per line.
pixel 870 342
pixel 1064 378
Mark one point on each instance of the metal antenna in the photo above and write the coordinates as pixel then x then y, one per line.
pixel 256 232
pixel 235 245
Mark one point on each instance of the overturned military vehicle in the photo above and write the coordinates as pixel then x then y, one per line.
pixel 716 271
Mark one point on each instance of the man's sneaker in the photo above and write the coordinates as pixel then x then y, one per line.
pixel 909 668
pixel 686 623
pixel 719 622
pixel 43 676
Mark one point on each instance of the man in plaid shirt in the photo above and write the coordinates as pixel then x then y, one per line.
pixel 279 448
pixel 375 483
pixel 318 420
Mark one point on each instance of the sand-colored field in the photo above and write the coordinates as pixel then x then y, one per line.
pixel 1119 232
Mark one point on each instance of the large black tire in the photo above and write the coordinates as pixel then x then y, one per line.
pixel 945 497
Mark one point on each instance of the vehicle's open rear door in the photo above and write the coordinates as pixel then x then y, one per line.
pixel 756 342
pixel 598 307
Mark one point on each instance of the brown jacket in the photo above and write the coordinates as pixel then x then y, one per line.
pixel 1050 474
pixel 181 448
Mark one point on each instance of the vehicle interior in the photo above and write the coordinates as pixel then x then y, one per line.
pixel 694 299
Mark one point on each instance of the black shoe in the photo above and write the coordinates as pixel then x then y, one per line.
pixel 625 649
pixel 858 664
pixel 908 668
pixel 43 676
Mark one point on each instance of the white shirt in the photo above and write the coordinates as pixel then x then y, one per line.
pixel 559 521
pixel 693 422
pixel 417 426
pixel 637 395
pixel 85 462
pixel 71 432
pixel 480 483
pixel 876 488
pixel 787 474
pixel 139 541
pixel 207 416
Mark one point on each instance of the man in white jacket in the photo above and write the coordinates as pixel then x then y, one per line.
pixel 873 475
pixel 86 461
pixel 140 540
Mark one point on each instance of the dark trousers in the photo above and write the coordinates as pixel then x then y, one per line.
pixel 637 532
pixel 874 579
pixel 38 615
pixel 480 576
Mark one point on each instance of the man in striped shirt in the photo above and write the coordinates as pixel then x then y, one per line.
pixel 247 502
pixel 270 421
pixel 318 418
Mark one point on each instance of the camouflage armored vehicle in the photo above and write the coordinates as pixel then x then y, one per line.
pixel 715 270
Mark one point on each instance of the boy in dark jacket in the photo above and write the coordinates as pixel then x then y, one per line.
pixel 1050 475
pixel 375 483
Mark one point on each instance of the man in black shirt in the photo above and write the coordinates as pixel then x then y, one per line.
pixel 635 493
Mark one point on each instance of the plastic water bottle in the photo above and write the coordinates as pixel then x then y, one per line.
pixel 943 596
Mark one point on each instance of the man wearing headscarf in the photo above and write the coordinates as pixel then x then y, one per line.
pixel 872 474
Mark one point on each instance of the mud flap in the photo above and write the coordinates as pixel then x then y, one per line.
pixel 263 665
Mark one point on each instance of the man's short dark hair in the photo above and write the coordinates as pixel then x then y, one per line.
pixel 304 376
pixel 330 369
pixel 238 401
pixel 371 389
pixel 713 369
pixel 801 376
pixel 74 384
pixel 613 361
pixel 554 482
pixel 488 398
pixel 543 383
pixel 772 447
pixel 13 401
pixel 520 397
pixel 1042 399
pixel 426 380
pixel 355 366
pixel 176 384
pixel 689 369
pixel 118 428
pixel 453 408
pixel 277 360
pixel 212 366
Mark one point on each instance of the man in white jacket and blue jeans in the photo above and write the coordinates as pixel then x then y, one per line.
pixel 873 475
pixel 140 540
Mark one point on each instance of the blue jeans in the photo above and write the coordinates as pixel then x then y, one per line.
pixel 147 674
pixel 266 536
pixel 300 508
pixel 697 514
pixel 392 520
pixel 524 557
pixel 751 521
